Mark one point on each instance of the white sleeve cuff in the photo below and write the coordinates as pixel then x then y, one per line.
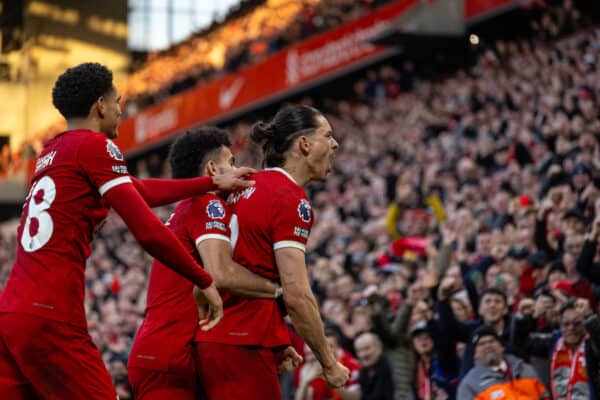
pixel 289 243
pixel 211 236
pixel 112 183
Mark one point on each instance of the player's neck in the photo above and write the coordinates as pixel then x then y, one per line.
pixel 298 171
pixel 83 123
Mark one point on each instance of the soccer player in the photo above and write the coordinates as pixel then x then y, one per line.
pixel 45 349
pixel 270 223
pixel 161 363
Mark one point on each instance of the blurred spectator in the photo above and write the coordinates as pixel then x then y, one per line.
pixel 311 386
pixel 573 351
pixel 437 364
pixel 493 311
pixel 375 375
pixel 496 375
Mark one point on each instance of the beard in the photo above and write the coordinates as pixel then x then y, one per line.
pixel 491 359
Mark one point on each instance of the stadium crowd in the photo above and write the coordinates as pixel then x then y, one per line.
pixel 249 33
pixel 461 223
pixel 256 30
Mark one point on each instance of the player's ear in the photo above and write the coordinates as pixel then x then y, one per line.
pixel 211 168
pixel 100 106
pixel 304 144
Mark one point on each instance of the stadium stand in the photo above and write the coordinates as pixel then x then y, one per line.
pixel 487 178
pixel 250 32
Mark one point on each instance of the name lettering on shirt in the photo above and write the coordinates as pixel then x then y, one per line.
pixel 169 220
pixel 45 161
pixel 246 194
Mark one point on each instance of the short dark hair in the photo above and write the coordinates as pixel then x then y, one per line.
pixel 334 334
pixel 495 291
pixel 194 148
pixel 76 90
pixel 277 136
pixel 570 304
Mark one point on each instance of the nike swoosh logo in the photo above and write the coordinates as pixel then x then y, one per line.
pixel 228 95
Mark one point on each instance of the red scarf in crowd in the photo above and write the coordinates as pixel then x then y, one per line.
pixel 423 381
pixel 567 371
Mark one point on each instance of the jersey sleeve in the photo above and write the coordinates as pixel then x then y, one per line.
pixel 210 220
pixel 292 221
pixel 103 163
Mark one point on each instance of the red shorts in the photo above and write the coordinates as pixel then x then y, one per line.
pixel 49 359
pixel 236 372
pixel 149 384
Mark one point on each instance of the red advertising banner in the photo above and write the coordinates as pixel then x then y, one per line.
pixel 294 67
pixel 476 9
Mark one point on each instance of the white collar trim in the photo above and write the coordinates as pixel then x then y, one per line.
pixel 283 171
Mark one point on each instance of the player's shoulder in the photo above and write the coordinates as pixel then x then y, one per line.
pixel 96 141
pixel 83 135
pixel 210 204
pixel 282 184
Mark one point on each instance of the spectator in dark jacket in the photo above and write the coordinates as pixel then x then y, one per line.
pixel 493 311
pixel 586 264
pixel 375 375
pixel 573 351
pixel 436 373
pixel 497 375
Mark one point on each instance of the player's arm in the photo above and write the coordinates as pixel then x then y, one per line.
pixel 160 192
pixel 304 311
pixel 229 275
pixel 152 235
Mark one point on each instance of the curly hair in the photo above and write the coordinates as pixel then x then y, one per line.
pixel 278 135
pixel 190 151
pixel 76 90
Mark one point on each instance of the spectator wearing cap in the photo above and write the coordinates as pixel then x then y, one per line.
pixel 575 221
pixel 375 374
pixel 437 364
pixel 573 351
pixel 493 311
pixel 581 177
pixel 497 375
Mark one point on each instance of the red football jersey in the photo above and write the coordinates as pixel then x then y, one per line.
pixel 274 213
pixel 60 215
pixel 164 339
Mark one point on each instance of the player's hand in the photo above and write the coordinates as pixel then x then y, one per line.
pixel 337 375
pixel 287 360
pixel 210 306
pixel 234 179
